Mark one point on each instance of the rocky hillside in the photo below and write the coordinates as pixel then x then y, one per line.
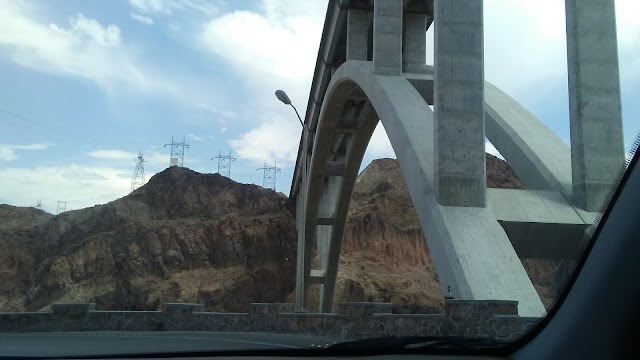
pixel 183 236
pixel 189 237
pixel 17 245
pixel 384 254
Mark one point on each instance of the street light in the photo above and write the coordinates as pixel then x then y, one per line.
pixel 282 96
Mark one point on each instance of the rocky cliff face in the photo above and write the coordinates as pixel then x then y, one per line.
pixel 384 253
pixel 182 237
pixel 17 244
pixel 189 237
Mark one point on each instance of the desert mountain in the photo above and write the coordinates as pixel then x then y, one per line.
pixel 190 237
pixel 183 236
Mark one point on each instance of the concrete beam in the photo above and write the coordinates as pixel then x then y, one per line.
pixel 597 144
pixel 387 37
pixel 326 221
pixel 539 224
pixel 317 276
pixel 459 103
pixel 423 83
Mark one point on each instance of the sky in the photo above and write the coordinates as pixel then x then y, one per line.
pixel 86 85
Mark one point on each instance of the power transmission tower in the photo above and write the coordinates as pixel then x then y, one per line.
pixel 224 164
pixel 177 152
pixel 138 173
pixel 39 205
pixel 269 180
pixel 62 206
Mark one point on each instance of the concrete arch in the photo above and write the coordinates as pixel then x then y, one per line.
pixel 462 240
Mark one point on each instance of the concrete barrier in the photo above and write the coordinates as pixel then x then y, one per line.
pixel 490 318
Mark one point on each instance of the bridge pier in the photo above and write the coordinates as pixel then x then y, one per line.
pixel 414 52
pixel 459 103
pixel 357 34
pixel 597 144
pixel 387 37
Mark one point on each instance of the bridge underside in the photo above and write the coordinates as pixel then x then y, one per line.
pixel 475 235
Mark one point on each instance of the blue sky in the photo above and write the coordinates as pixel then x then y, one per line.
pixel 87 84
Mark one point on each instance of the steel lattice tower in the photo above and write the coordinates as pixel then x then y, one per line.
pixel 269 180
pixel 224 164
pixel 138 174
pixel 177 152
pixel 62 206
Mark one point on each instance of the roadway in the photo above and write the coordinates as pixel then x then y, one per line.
pixel 125 342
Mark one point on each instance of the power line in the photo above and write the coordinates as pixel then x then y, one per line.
pixel 52 131
pixel 224 164
pixel 177 152
pixel 48 130
pixel 269 179
pixel 138 173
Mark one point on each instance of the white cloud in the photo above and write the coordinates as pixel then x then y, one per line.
pixel 141 19
pixel 112 154
pixel 84 48
pixel 8 152
pixel 280 46
pixel 81 186
pixel 228 114
pixel 151 157
pixel 275 140
pixel 274 49
pixel 195 137
pixel 525 43
pixel 221 116
pixel 379 145
pixel 168 7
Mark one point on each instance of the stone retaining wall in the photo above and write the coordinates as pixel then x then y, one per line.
pixel 492 318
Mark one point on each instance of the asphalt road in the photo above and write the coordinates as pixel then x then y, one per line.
pixel 114 342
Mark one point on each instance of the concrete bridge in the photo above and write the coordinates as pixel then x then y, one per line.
pixel 371 67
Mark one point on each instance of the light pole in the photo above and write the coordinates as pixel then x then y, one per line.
pixel 282 96
pixel 300 285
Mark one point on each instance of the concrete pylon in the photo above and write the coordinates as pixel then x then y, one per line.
pixel 597 144
pixel 387 39
pixel 460 174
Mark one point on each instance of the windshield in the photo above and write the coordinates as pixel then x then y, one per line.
pixel 263 174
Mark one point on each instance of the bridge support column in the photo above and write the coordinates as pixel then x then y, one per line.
pixel 357 34
pixel 300 303
pixel 328 203
pixel 597 144
pixel 459 103
pixel 387 37
pixel 415 42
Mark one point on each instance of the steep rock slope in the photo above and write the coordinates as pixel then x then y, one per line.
pixel 183 236
pixel 18 241
pixel 384 254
